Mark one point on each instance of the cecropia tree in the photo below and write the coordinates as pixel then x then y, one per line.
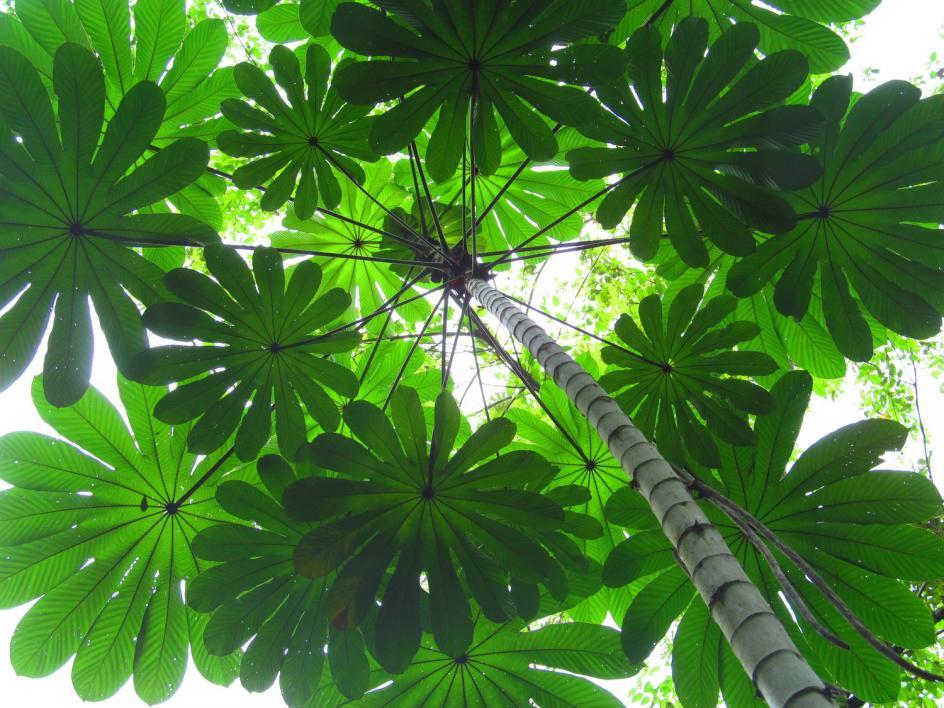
pixel 348 459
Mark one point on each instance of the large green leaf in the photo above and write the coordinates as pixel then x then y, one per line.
pixel 299 139
pixel 510 56
pixel 507 666
pixel 803 344
pixel 264 339
pixel 474 523
pixel 675 376
pixel 258 600
pixel 859 528
pixel 182 61
pixel 99 527
pixel 69 215
pixel 783 24
pixel 706 154
pixel 869 235
pixel 281 24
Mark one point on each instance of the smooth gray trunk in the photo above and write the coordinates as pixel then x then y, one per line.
pixel 755 634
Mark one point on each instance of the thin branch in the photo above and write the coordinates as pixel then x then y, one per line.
pixel 507 185
pixel 380 336
pixel 362 225
pixel 455 342
pixel 409 335
pixel 562 245
pixel 417 167
pixel 343 256
pixel 583 283
pixel 582 331
pixel 343 170
pixel 465 176
pixel 203 480
pixel 445 335
pixel 323 210
pixel 406 361
pixel 391 304
pixel 131 243
pixel 473 173
pixel 654 17
pixel 478 370
pixel 235 32
pixel 570 212
pixel 416 189
pixel 924 434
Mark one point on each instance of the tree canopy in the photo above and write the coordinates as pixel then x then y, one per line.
pixel 343 456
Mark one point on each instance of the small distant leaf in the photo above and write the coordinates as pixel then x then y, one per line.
pixel 98 529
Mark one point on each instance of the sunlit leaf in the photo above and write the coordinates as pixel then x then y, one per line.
pixel 99 527
pixel 69 216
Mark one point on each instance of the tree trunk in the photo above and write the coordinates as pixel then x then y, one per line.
pixel 756 635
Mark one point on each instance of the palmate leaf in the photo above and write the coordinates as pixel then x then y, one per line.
pixel 869 237
pixel 258 600
pixel 513 57
pixel 508 666
pixel 182 61
pixel 67 221
pixel 370 284
pixel 858 527
pixel 675 376
pixel 299 140
pixel 265 339
pixel 682 157
pixel 592 469
pixel 783 24
pixel 281 24
pixel 407 502
pixel 162 48
pixel 522 201
pixel 802 344
pixel 99 528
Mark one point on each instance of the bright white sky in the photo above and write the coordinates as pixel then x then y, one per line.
pixel 898 37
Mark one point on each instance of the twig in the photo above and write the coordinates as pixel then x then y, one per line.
pixel 924 435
